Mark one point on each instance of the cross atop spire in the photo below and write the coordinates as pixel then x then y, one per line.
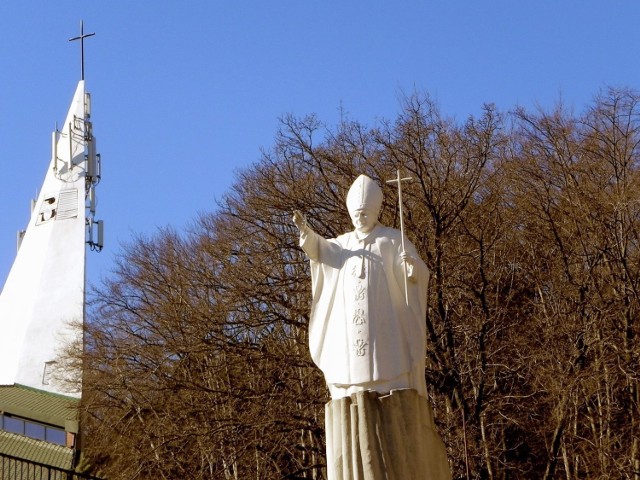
pixel 81 38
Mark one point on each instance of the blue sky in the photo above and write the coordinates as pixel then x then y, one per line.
pixel 185 93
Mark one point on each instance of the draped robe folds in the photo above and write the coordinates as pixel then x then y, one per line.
pixel 362 333
pixel 384 437
pixel 369 343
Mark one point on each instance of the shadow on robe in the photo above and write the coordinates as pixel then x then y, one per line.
pixel 371 436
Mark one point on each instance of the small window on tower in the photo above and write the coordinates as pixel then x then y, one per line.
pixel 48 371
pixel 58 206
pixel 48 210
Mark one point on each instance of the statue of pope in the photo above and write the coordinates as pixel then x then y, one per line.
pixel 363 335
pixel 367 335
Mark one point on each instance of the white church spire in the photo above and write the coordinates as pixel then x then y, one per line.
pixel 44 293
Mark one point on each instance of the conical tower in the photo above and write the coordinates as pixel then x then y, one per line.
pixel 42 303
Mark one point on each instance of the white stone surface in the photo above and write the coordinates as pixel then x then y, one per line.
pixel 367 335
pixel 384 437
pixel 44 291
pixel 362 333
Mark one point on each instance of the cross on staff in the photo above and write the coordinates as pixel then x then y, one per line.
pixel 399 181
pixel 81 38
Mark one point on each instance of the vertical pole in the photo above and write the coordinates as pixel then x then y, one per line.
pixel 81 50
pixel 399 181
pixel 404 263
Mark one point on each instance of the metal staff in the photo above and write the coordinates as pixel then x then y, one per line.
pixel 399 181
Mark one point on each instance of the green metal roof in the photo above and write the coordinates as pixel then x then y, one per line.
pixel 40 406
pixel 36 450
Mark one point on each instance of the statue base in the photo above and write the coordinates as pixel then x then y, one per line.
pixel 371 436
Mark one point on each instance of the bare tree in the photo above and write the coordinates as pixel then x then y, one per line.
pixel 197 363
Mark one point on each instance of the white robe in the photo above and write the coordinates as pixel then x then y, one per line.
pixel 362 334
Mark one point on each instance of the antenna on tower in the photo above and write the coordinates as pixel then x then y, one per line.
pixel 93 170
pixel 81 37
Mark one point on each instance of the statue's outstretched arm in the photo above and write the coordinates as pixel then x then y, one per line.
pixel 308 238
pixel 317 248
pixel 300 221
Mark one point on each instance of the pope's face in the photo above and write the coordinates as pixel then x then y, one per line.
pixel 364 220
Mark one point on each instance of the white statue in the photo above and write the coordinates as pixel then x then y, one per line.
pixel 367 334
pixel 362 333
